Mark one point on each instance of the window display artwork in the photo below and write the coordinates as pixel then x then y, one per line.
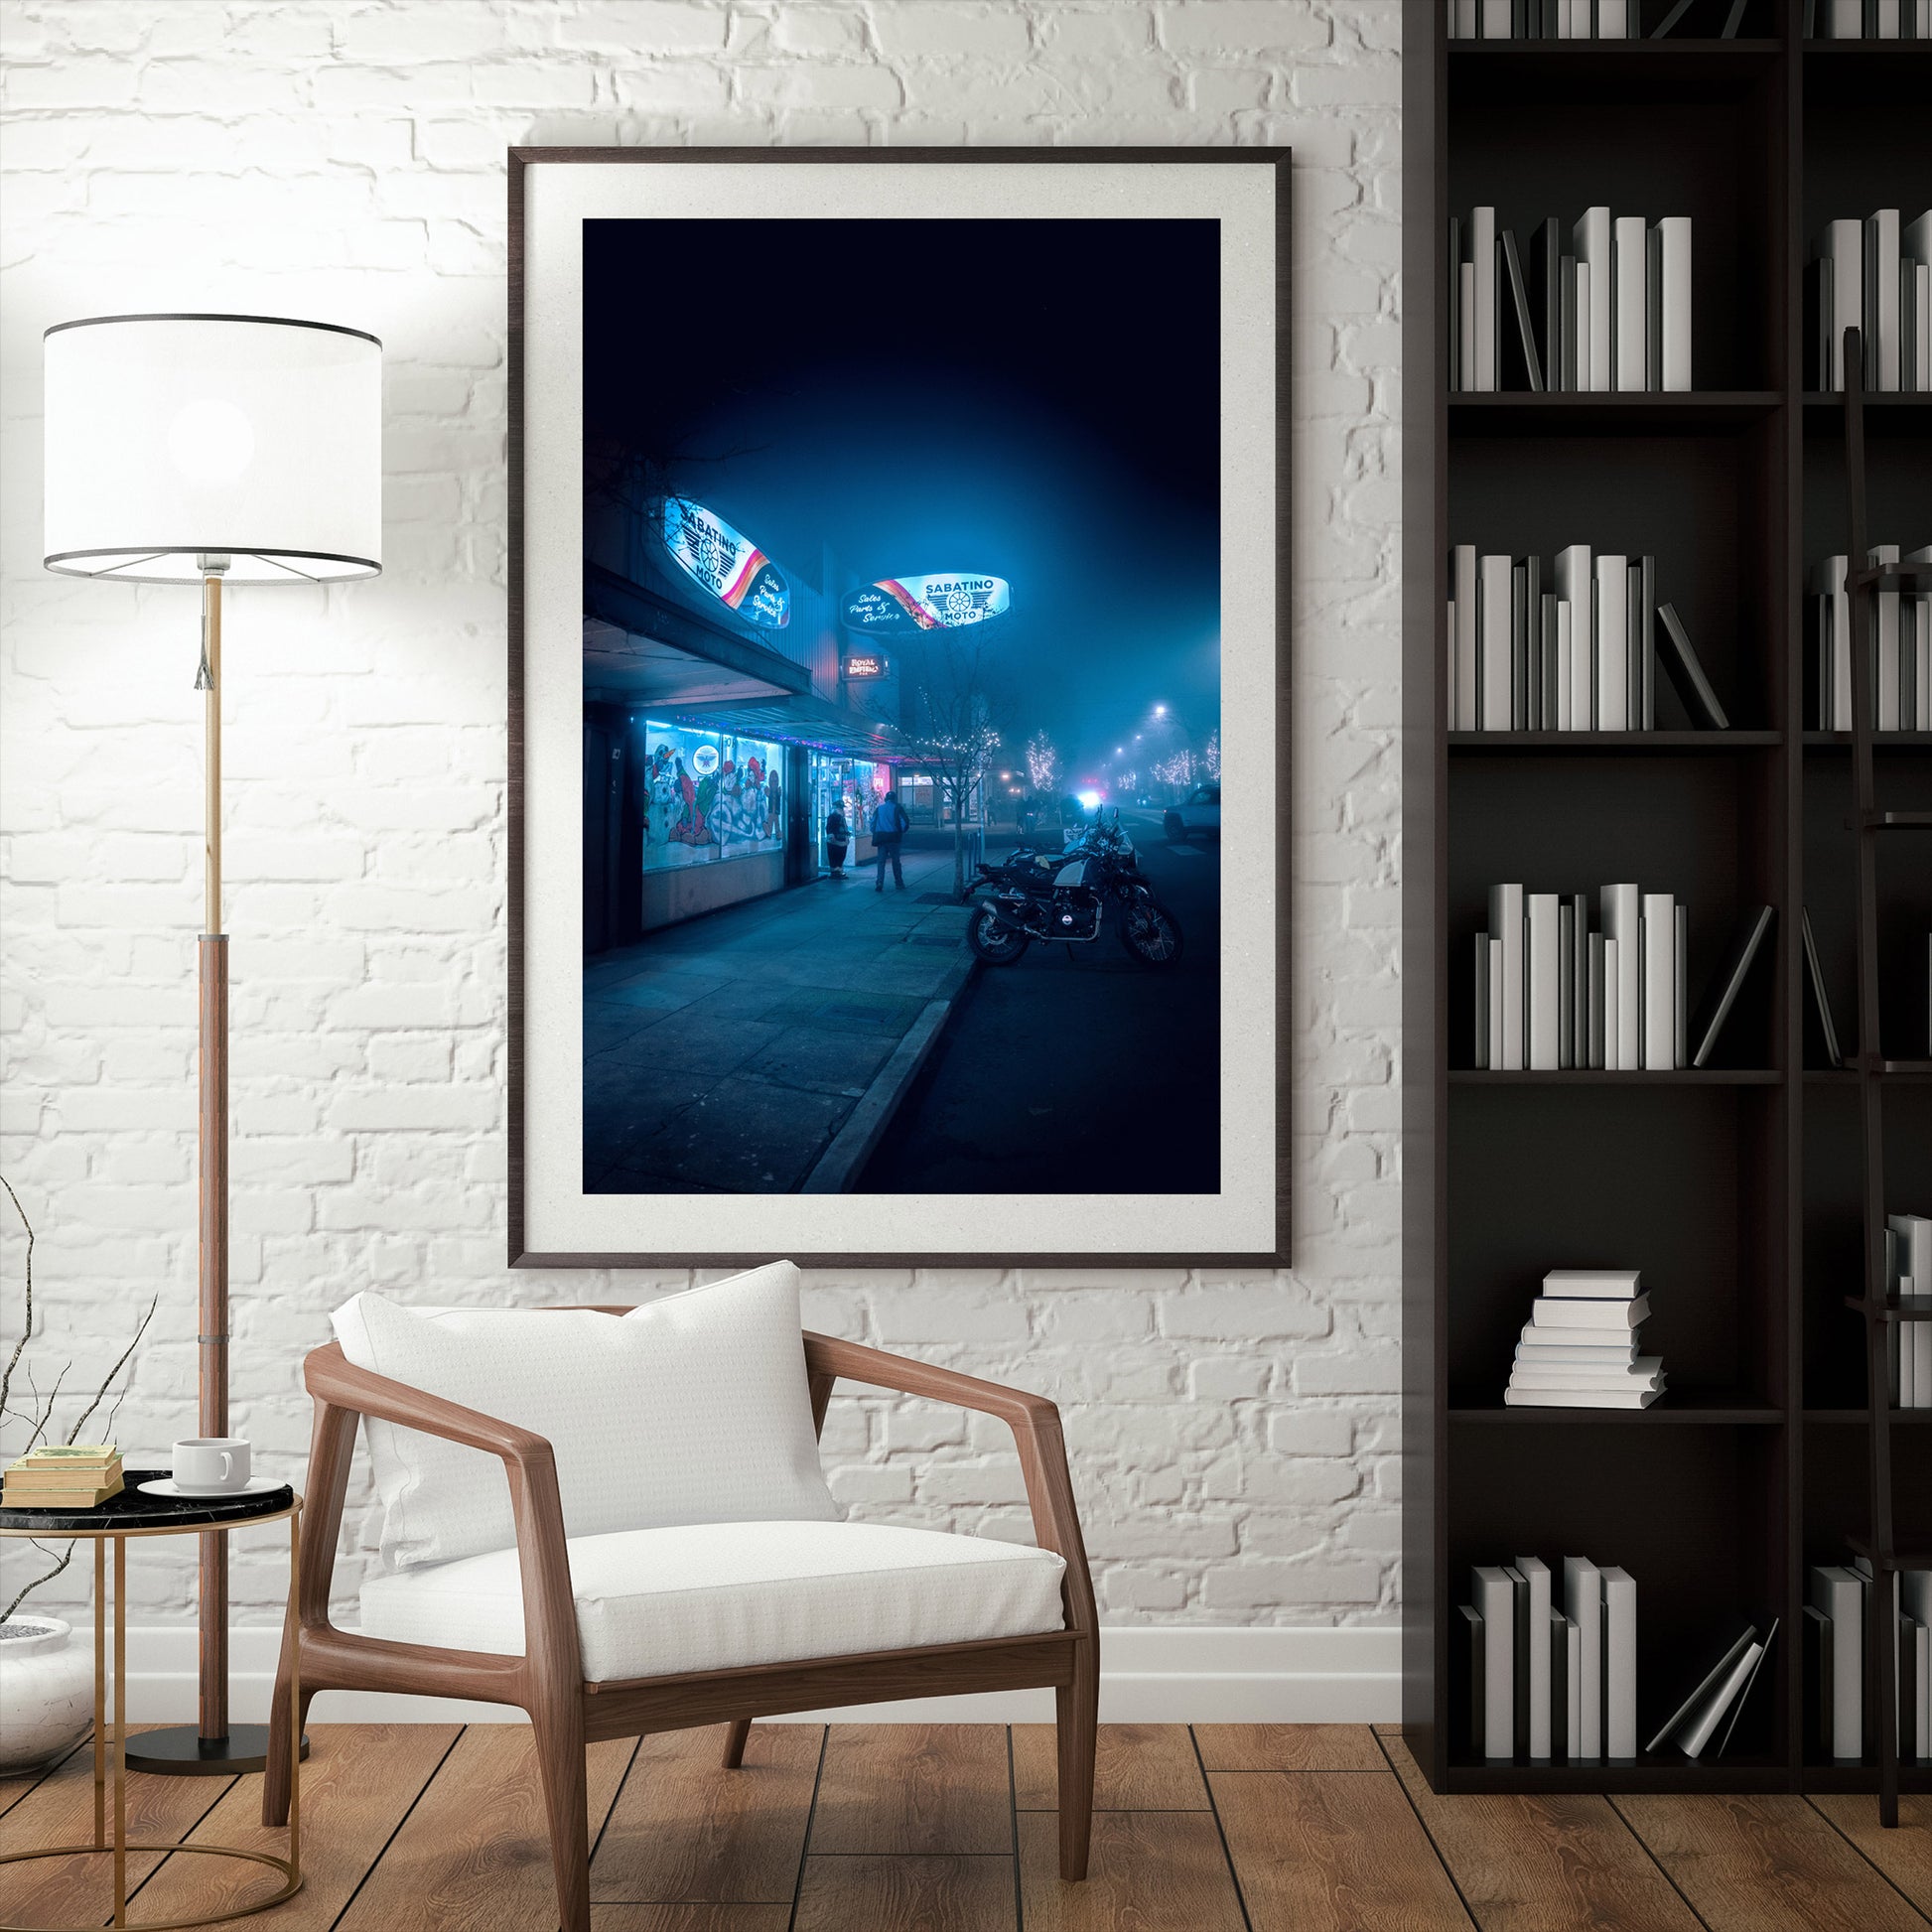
pixel 711 795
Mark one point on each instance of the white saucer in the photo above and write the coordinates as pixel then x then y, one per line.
pixel 167 1486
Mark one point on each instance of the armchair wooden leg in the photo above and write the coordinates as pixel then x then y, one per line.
pixel 559 1726
pixel 734 1736
pixel 276 1773
pixel 1077 1710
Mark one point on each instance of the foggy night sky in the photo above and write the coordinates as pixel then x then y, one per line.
pixel 1039 400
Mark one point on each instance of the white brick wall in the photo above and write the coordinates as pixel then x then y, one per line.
pixel 1233 1438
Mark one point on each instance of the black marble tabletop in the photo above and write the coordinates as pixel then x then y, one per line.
pixel 134 1509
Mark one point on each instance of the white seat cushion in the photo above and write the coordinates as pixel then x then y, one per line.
pixel 691 1409
pixel 715 1596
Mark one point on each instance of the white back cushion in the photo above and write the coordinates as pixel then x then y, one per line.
pixel 693 1409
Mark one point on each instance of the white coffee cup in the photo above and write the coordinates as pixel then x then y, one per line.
pixel 211 1465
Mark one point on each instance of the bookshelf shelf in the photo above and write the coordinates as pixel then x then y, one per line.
pixel 1740 1193
pixel 1660 744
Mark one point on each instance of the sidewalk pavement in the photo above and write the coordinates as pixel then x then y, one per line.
pixel 763 1049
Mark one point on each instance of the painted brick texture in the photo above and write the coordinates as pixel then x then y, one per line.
pixel 1233 1438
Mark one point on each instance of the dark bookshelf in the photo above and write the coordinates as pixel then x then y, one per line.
pixel 1735 1187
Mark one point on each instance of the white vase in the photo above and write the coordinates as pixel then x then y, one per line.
pixel 47 1691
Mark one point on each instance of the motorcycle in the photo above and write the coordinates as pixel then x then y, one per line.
pixel 1066 895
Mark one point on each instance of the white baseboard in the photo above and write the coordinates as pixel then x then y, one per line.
pixel 1177 1675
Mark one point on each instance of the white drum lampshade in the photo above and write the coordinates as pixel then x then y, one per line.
pixel 176 437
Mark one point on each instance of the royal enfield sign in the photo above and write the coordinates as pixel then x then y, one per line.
pixel 865 663
pixel 730 566
pixel 905 607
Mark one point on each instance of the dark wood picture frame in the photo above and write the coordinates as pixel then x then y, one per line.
pixel 521 1255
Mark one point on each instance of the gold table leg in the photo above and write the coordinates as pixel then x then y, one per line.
pixel 121 1731
pixel 100 1693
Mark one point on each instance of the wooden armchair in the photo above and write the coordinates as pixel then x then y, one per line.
pixel 567 1712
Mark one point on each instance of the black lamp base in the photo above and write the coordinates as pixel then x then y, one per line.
pixel 183 1753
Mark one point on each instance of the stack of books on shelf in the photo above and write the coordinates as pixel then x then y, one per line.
pixel 1549 1683
pixel 1612 313
pixel 1900 647
pixel 1574 648
pixel 1874 276
pixel 1908 1271
pixel 1867 20
pixel 1587 20
pixel 1579 1349
pixel 1836 1622
pixel 66 1475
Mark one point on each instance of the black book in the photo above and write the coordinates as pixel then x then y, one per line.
pixel 1722 994
pixel 1705 1685
pixel 1653 306
pixel 1472 1663
pixel 1815 978
pixel 1519 648
pixel 1817 322
pixel 1546 297
pixel 1648 639
pixel 1743 1696
pixel 1566 367
pixel 1520 1590
pixel 1455 303
pixel 1682 667
pixel 1525 363
pixel 1549 636
pixel 1818 1676
pixel 1531 570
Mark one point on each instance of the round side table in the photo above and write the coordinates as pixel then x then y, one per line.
pixel 135 1513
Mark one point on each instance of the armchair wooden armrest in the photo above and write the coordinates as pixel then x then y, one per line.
pixel 1032 1419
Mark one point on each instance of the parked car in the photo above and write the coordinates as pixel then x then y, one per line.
pixel 1198 812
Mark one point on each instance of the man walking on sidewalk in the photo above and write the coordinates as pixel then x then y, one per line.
pixel 889 823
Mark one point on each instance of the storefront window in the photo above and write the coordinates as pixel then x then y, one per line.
pixel 848 785
pixel 709 795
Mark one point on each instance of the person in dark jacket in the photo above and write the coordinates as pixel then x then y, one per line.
pixel 888 827
pixel 837 837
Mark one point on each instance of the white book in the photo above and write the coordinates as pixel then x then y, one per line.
pixel 1581 310
pixel 1506 928
pixel 1462 566
pixel 1540 1354
pixel 1620 909
pixel 1613 20
pixel 1674 300
pixel 1494 595
pixel 1497 1061
pixel 1691 1740
pixel 1448 665
pixel 1566 698
pixel 1576 589
pixel 1582 1600
pixel 1681 987
pixel 1845 20
pixel 1612 1004
pixel 1629 245
pixel 1836 639
pixel 1609 1318
pixel 1592 242
pixel 1842 246
pixel 1915 1600
pixel 1570 1689
pixel 1496 1600
pixel 1608 1284
pixel 1619 1664
pixel 1536 1573
pixel 1659 983
pixel 1465 350
pixel 1495 19
pixel 1840 1595
pixel 1922 318
pixel 1645 1372
pixel 1881 297
pixel 1483 256
pixel 1638 1398
pixel 1612 645
pixel 1545 981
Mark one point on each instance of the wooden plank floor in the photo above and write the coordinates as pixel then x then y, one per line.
pixel 951 1828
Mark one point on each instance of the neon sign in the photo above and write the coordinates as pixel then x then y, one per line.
pixel 905 607
pixel 730 566
pixel 865 663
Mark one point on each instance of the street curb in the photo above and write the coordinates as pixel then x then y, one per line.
pixel 852 1145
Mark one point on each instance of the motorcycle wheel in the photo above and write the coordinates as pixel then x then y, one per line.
pixel 993 941
pixel 1151 933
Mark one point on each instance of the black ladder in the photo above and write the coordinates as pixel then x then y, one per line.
pixel 1883 1311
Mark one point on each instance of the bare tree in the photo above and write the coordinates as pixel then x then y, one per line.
pixel 949 687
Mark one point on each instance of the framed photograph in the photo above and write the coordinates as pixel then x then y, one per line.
pixel 899 575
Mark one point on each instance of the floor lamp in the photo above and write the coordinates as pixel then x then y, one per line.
pixel 213 450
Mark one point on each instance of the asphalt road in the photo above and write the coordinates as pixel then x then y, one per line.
pixel 1078 1070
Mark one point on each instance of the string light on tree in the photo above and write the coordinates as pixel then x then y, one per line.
pixel 1042 761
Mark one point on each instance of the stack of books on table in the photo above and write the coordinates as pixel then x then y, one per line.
pixel 1547 1682
pixel 1570 648
pixel 1579 1349
pixel 1900 647
pixel 1908 1271
pixel 66 1475
pixel 1609 311
pixel 1836 1622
